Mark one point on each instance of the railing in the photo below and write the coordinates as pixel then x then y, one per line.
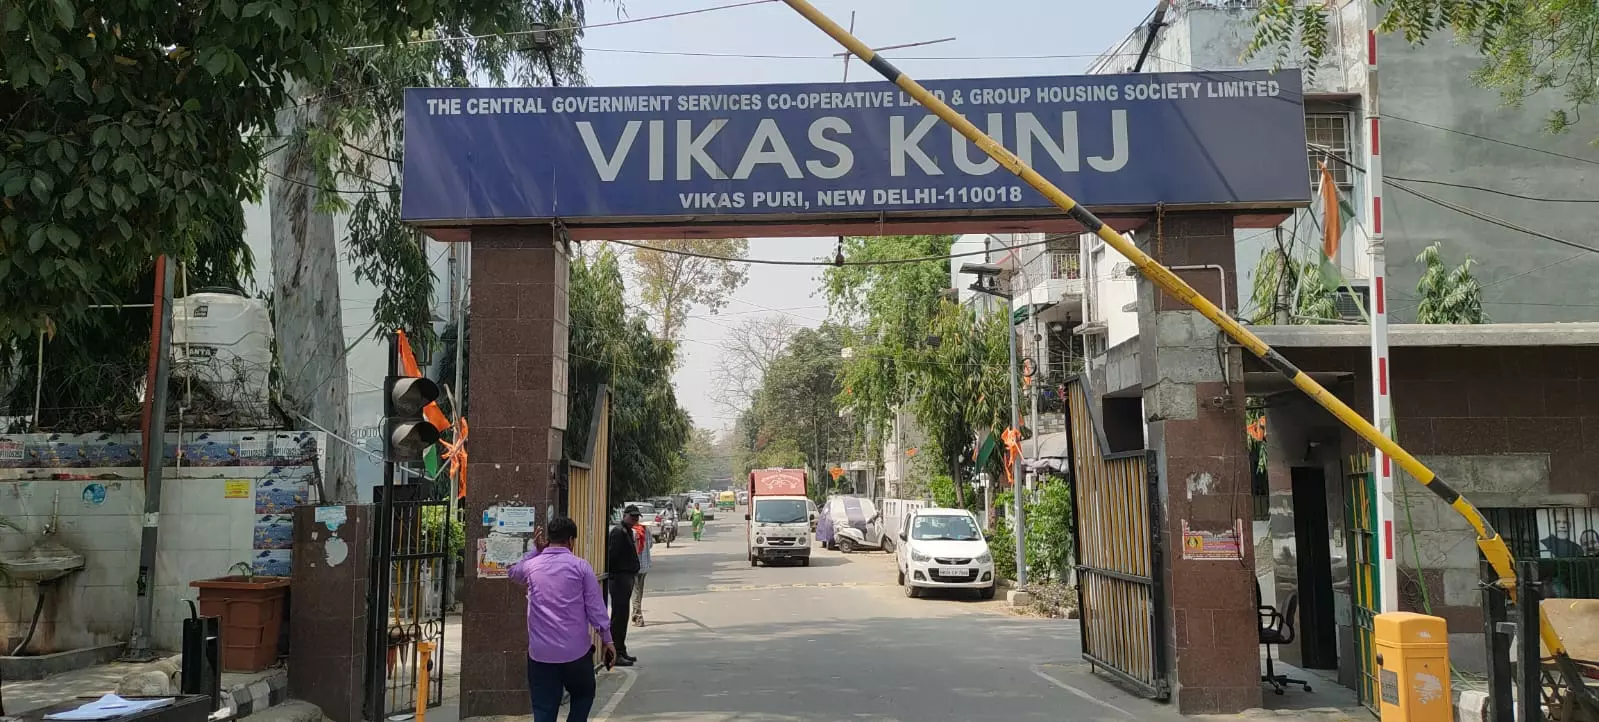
pixel 1065 264
pixel 1571 577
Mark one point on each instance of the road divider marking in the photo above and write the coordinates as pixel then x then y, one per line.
pixel 1080 693
pixel 629 677
pixel 763 587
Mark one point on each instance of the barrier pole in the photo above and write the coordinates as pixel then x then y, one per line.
pixel 1489 542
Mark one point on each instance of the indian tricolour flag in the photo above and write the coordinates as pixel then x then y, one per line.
pixel 1336 214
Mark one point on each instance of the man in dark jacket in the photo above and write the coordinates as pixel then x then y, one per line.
pixel 621 569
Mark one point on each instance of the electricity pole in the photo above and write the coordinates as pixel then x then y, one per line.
pixel 987 274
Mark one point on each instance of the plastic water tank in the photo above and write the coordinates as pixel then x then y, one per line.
pixel 224 339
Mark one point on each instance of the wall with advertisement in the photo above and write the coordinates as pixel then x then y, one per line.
pixel 227 497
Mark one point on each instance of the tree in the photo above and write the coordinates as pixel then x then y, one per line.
pixel 341 153
pixel 962 389
pixel 797 401
pixel 701 461
pixel 1447 296
pixel 891 307
pixel 1527 46
pixel 748 352
pixel 671 283
pixel 649 430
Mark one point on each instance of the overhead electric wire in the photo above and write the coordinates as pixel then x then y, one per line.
pixel 823 263
pixel 1484 217
pixel 1464 210
pixel 1495 191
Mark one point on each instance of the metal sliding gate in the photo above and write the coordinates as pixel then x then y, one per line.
pixel 1118 554
pixel 411 558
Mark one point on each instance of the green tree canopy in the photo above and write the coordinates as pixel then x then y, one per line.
pixel 891 308
pixel 649 430
pixel 136 129
pixel 797 405
pixel 1527 46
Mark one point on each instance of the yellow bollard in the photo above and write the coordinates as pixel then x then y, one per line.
pixel 1412 667
pixel 423 684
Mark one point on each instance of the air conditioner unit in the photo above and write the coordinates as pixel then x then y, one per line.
pixel 1353 302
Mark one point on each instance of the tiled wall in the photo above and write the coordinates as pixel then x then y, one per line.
pixel 230 501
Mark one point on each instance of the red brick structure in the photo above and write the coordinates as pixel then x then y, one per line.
pixel 518 362
pixel 1195 413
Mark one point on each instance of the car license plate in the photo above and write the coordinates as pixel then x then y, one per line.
pixel 950 571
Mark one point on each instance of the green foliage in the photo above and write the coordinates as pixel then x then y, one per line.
pixel 701 462
pixel 1049 533
pixel 1527 46
pixel 797 405
pixel 649 430
pixel 961 384
pixel 136 129
pixel 671 283
pixel 915 348
pixel 891 308
pixel 1291 290
pixel 350 126
pixel 433 518
pixel 1447 295
pixel 942 489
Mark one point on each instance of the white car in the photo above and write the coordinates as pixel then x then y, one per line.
pixel 944 549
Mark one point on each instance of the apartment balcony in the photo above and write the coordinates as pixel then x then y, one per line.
pixel 1056 280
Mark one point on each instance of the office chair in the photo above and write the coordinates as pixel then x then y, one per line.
pixel 1278 628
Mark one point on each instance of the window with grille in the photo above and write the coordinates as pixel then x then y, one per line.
pixel 1564 541
pixel 1329 131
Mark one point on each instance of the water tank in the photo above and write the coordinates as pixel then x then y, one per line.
pixel 224 339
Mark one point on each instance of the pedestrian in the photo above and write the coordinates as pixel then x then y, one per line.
pixel 646 542
pixel 563 605
pixel 698 520
pixel 621 566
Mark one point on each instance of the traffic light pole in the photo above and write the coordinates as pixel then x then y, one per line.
pixel 378 606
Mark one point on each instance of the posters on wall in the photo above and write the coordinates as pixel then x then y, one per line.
pixel 292 458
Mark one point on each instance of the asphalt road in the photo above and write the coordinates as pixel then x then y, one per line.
pixel 838 640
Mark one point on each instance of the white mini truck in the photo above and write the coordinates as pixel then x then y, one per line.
pixel 944 549
pixel 777 526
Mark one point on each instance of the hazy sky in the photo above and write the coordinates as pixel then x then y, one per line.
pixel 1080 29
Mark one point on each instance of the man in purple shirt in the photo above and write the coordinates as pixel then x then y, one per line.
pixel 563 603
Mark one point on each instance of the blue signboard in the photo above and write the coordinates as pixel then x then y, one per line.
pixel 782 151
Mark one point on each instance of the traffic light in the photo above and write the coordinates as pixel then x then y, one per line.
pixel 410 433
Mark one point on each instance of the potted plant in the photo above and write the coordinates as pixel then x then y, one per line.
pixel 251 610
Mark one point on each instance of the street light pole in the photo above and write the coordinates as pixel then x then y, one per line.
pixel 1017 491
pixel 986 274
pixel 544 45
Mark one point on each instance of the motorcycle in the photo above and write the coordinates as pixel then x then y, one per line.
pixel 851 538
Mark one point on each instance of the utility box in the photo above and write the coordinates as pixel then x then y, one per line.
pixel 1412 667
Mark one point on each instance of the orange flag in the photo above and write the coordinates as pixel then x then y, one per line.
pixel 1332 224
pixel 408 367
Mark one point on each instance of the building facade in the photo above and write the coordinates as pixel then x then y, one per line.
pixel 1447 145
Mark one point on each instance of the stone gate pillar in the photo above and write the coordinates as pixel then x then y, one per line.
pixel 518 321
pixel 1194 407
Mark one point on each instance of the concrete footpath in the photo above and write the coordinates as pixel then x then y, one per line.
pixel 249 693
pixel 612 687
